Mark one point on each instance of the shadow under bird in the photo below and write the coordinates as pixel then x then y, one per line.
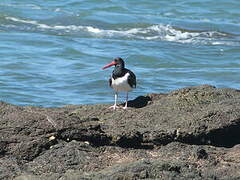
pixel 122 79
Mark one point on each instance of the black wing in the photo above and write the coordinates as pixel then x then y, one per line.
pixel 110 81
pixel 132 79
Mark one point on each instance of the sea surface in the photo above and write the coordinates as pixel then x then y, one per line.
pixel 52 52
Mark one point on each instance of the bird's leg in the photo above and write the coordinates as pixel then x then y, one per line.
pixel 125 107
pixel 115 103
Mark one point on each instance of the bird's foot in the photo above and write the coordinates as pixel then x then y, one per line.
pixel 114 107
pixel 124 107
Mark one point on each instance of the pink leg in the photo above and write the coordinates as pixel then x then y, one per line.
pixel 125 107
pixel 114 107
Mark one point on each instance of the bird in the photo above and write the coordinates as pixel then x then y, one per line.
pixel 122 79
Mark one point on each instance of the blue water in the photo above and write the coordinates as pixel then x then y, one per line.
pixel 52 51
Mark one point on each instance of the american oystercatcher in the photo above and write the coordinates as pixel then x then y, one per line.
pixel 122 79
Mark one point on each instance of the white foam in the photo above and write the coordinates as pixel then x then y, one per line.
pixel 23 5
pixel 57 10
pixel 56 27
pixel 93 30
pixel 21 20
pixel 153 32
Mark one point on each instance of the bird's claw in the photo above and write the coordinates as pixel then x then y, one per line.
pixel 114 107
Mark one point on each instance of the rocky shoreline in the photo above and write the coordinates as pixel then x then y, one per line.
pixel 190 133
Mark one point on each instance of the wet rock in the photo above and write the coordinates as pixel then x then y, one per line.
pixel 188 133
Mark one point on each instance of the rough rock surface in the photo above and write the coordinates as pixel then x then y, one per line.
pixel 190 133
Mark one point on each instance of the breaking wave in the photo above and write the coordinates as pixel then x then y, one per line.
pixel 152 32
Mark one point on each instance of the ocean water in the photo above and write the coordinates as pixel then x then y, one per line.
pixel 51 52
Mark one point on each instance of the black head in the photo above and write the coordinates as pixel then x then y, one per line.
pixel 118 62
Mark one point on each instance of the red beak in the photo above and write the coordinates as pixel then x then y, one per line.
pixel 109 65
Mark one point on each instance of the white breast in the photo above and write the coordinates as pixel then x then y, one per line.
pixel 121 83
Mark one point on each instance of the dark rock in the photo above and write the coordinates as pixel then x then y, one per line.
pixel 201 154
pixel 190 133
pixel 3 146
